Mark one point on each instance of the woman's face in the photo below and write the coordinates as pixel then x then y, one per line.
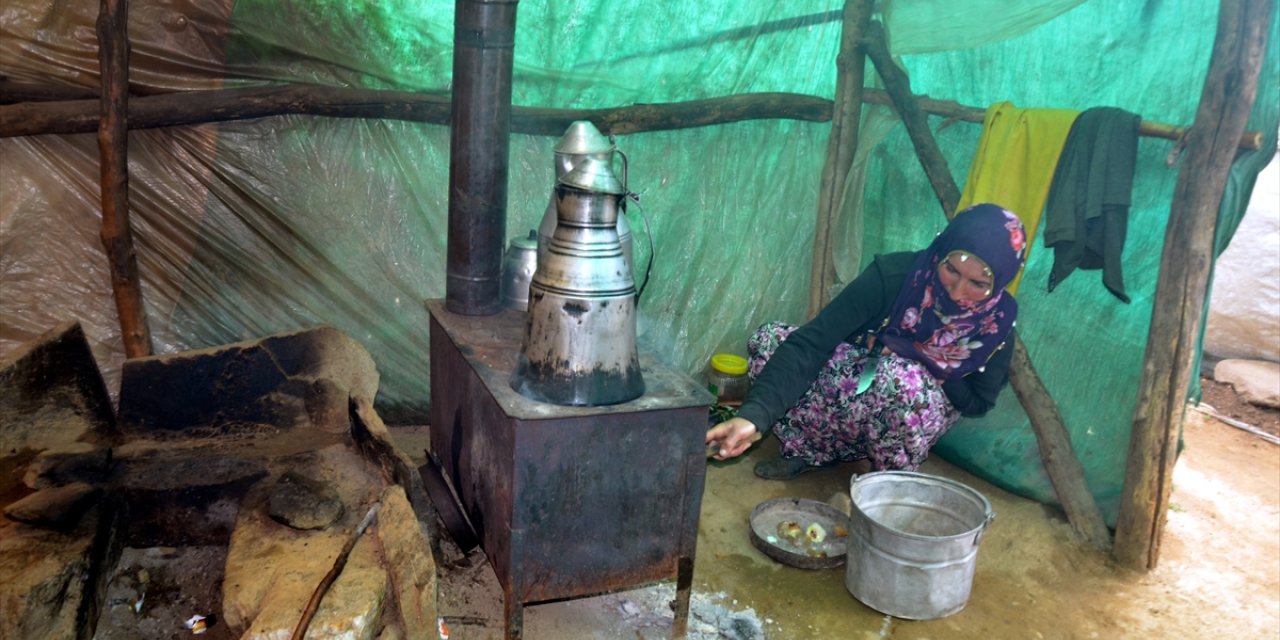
pixel 966 278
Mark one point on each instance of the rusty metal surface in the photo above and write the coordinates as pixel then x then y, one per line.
pixel 447 504
pixel 599 502
pixel 478 460
pixel 573 501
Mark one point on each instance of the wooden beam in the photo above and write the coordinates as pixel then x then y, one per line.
pixel 1062 466
pixel 36 117
pixel 113 135
pixel 223 105
pixel 1230 88
pixel 842 145
pixel 14 92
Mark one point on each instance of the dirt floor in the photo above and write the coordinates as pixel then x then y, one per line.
pixel 1220 398
pixel 1218 574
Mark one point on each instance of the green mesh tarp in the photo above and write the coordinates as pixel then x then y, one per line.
pixel 249 228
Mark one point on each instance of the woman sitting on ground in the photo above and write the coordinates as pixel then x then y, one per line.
pixel 912 344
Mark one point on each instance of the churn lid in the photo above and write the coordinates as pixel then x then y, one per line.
pixel 582 138
pixel 529 242
pixel 592 174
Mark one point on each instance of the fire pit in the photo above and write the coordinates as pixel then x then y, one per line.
pixel 236 490
pixel 568 501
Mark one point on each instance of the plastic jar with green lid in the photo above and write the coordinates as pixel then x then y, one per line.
pixel 727 378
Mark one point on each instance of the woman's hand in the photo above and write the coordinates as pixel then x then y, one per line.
pixel 871 346
pixel 730 438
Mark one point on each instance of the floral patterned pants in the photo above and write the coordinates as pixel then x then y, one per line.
pixel 893 424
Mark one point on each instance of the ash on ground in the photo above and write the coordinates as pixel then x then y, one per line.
pixel 471 607
pixel 153 591
pixel 711 616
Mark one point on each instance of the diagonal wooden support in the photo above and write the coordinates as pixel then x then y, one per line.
pixel 1064 468
pixel 1060 461
pixel 898 86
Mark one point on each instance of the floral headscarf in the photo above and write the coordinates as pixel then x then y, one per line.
pixel 926 325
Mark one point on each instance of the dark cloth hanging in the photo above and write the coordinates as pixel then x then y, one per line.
pixel 1087 212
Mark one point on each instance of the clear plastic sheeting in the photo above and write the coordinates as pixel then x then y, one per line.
pixel 244 229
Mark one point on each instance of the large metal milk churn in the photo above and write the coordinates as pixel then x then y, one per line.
pixel 582 140
pixel 580 337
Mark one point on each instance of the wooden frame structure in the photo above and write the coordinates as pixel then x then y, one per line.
pixel 1211 142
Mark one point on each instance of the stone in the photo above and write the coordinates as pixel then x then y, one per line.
pixel 272 569
pixel 54 508
pixel 326 405
pixel 410 562
pixel 325 353
pixel 267 559
pixel 183 495
pixel 376 443
pixel 53 376
pixel 214 450
pixel 352 608
pixel 392 633
pixel 303 503
pixel 1257 381
pixel 64 464
pixel 284 381
pixel 56 421
pixel 48 584
pixel 52 397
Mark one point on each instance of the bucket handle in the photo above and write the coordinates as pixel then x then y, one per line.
pixel 985 523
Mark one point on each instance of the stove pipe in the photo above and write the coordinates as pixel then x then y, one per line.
pixel 483 46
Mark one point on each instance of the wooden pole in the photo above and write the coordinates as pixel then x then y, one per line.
pixel 113 134
pixel 898 86
pixel 1230 88
pixel 842 145
pixel 1060 462
pixel 32 116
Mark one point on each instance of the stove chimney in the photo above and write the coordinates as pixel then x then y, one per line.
pixel 483 47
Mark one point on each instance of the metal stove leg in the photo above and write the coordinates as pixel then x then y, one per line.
pixel 514 610
pixel 695 471
pixel 684 588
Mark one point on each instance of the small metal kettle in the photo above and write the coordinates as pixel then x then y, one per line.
pixel 518 265
pixel 580 338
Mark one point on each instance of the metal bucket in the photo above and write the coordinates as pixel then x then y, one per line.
pixel 913 543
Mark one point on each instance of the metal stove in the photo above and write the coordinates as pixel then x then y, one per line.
pixel 568 501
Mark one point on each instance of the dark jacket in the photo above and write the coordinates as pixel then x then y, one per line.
pixel 861 307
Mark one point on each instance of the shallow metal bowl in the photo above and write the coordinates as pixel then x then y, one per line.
pixel 768 515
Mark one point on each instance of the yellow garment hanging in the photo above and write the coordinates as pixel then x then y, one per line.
pixel 1014 163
